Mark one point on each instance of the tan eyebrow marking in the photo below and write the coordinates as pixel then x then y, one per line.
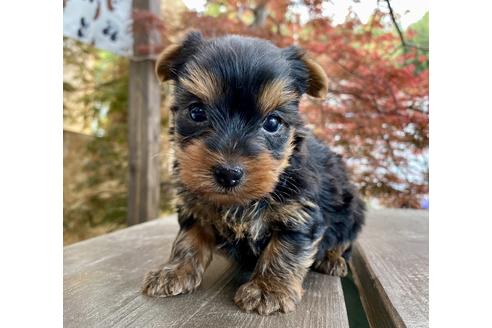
pixel 201 82
pixel 274 94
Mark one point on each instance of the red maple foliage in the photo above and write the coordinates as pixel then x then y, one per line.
pixel 376 113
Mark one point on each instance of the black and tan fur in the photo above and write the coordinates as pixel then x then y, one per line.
pixel 291 209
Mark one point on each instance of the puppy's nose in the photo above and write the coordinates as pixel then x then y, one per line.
pixel 227 176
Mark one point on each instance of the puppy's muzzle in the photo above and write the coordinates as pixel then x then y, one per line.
pixel 228 176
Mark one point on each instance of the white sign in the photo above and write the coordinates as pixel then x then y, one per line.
pixel 107 24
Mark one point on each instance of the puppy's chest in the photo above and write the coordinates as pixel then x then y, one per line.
pixel 235 224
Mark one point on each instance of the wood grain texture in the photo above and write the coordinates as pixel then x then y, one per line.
pixel 143 139
pixel 103 277
pixel 391 268
pixel 144 126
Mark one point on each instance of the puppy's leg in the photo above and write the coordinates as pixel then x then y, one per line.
pixel 334 262
pixel 190 256
pixel 276 284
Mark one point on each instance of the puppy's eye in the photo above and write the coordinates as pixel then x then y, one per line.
pixel 198 114
pixel 271 124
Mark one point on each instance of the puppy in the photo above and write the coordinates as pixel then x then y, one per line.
pixel 251 180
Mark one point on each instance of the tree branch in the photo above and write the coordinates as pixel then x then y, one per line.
pixel 395 23
pixel 404 43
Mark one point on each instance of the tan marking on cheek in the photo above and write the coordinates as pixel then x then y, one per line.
pixel 261 173
pixel 275 94
pixel 196 164
pixel 264 170
pixel 261 176
pixel 202 83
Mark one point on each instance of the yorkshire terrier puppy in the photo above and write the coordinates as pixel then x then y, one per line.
pixel 251 180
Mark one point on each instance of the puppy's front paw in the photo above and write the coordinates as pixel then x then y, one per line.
pixel 338 268
pixel 266 299
pixel 335 266
pixel 171 280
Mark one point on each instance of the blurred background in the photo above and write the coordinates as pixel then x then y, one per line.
pixel 375 52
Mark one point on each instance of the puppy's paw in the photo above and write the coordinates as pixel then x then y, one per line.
pixel 264 299
pixel 339 268
pixel 333 266
pixel 171 280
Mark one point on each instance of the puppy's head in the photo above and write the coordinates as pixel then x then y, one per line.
pixel 236 120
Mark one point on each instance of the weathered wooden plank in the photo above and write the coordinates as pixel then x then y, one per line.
pixel 322 306
pixel 103 276
pixel 391 268
pixel 143 128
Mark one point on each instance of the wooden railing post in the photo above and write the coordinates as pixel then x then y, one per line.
pixel 143 129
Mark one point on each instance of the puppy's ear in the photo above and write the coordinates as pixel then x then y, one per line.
pixel 172 59
pixel 307 71
pixel 318 81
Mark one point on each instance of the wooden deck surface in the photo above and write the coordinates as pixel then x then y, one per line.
pixel 391 268
pixel 103 276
